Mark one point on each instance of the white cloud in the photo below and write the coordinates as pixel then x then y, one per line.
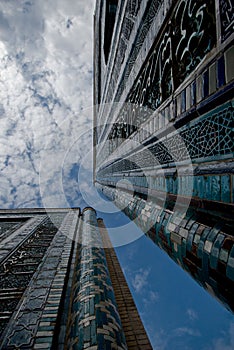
pixel 140 280
pixel 182 331
pixel 192 314
pixel 160 339
pixel 227 341
pixel 151 297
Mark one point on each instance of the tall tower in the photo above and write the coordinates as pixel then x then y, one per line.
pixel 163 128
pixel 61 286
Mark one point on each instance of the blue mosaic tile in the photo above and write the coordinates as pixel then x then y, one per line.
pixel 216 188
pixel 93 333
pixel 192 232
pixel 202 242
pixel 215 251
pixel 213 234
pixel 200 186
pixel 225 188
pixel 207 187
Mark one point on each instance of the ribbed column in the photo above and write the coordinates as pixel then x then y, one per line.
pixel 203 246
pixel 94 318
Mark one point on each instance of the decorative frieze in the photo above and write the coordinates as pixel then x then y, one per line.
pixel 207 138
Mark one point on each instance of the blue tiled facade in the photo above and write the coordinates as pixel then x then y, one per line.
pixel 164 123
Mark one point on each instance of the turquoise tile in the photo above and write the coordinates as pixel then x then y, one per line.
pixel 200 186
pixel 214 255
pixel 202 242
pixel 223 256
pixel 87 333
pixel 44 340
pixel 195 186
pixel 214 232
pixel 80 338
pixel 215 251
pixel 225 188
pixel 45 328
pixel 48 319
pixel 190 223
pixel 175 186
pixel 91 306
pixel 179 252
pixel 219 240
pixel 169 181
pixel 207 187
pixel 189 242
pixel 183 185
pixel 93 333
pixel 215 188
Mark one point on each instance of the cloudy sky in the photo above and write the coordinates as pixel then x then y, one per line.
pixel 45 131
pixel 45 86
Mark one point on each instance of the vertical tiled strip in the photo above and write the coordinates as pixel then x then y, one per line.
pixel 94 319
pixel 62 247
pixel 136 337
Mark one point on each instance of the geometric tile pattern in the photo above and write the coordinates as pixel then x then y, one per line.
pixel 95 321
pixel 208 137
pixel 129 21
pixel 182 45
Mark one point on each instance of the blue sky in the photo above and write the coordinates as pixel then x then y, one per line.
pixel 45 137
